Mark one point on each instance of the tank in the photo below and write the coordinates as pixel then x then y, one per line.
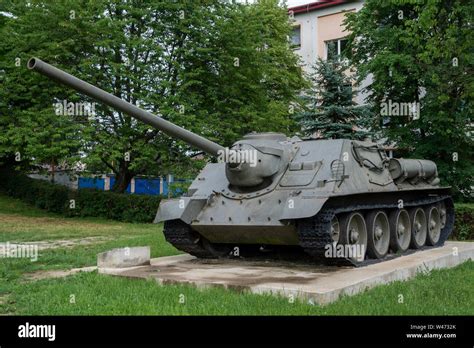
pixel 337 201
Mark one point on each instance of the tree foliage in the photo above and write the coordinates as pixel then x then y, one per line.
pixel 30 132
pixel 215 68
pixel 329 110
pixel 422 51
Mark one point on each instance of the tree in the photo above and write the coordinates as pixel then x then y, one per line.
pixel 421 52
pixel 30 132
pixel 329 110
pixel 247 77
pixel 218 69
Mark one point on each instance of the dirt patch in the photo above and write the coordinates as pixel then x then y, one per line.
pixel 28 277
pixel 52 244
pixel 67 243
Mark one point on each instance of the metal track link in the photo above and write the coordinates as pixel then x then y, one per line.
pixel 314 233
pixel 182 237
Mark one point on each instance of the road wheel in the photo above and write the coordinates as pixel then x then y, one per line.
pixel 378 234
pixel 400 231
pixel 442 213
pixel 353 233
pixel 419 227
pixel 434 225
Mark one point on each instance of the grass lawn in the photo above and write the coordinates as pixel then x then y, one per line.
pixel 443 292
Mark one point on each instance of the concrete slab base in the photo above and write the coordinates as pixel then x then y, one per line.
pixel 124 257
pixel 314 283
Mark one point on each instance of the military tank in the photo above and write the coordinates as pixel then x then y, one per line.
pixel 340 201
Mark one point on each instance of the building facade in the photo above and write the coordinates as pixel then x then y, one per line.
pixel 318 32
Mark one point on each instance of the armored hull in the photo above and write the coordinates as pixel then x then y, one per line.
pixel 331 192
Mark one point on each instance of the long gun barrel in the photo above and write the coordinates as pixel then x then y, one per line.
pixel 121 105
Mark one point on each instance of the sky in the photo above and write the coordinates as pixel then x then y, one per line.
pixel 292 3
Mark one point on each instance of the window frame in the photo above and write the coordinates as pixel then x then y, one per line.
pixel 338 46
pixel 296 46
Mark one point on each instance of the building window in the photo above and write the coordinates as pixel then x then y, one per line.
pixel 296 37
pixel 335 48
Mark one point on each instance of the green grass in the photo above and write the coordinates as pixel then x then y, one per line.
pixel 20 222
pixel 441 292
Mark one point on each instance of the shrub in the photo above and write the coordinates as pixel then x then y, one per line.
pixel 464 222
pixel 87 202
pixel 115 206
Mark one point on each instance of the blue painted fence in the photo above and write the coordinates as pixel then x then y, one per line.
pixel 147 186
pixel 143 186
pixel 95 183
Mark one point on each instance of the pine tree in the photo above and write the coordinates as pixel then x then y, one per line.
pixel 329 110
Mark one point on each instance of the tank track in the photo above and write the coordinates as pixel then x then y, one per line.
pixel 314 233
pixel 182 237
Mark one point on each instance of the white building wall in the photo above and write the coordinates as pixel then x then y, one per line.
pixel 311 48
